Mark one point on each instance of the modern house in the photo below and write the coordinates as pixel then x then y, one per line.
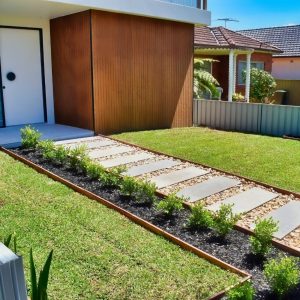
pixel 286 65
pixel 103 65
pixel 234 53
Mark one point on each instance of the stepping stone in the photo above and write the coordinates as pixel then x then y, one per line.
pixel 98 153
pixel 246 201
pixel 288 218
pixel 207 188
pixel 174 177
pixel 148 168
pixel 126 159
pixel 93 144
pixel 81 140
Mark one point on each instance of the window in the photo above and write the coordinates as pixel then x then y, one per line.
pixel 243 65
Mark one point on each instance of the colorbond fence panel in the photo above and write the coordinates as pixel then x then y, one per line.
pixel 275 120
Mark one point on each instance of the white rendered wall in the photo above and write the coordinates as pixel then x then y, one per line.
pixel 45 26
pixel 286 68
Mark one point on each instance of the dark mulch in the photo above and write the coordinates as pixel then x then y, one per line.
pixel 235 249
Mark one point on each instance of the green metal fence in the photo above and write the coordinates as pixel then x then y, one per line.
pixel 274 120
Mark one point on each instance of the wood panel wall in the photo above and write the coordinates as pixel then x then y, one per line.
pixel 115 72
pixel 142 71
pixel 293 88
pixel 71 68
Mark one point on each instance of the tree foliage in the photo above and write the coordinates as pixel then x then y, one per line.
pixel 204 82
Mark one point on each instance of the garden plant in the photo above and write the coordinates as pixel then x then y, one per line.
pixel 245 291
pixel 170 205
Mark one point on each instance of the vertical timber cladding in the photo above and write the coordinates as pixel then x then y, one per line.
pixel 142 72
pixel 71 67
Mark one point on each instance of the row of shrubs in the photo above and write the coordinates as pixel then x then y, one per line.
pixel 282 274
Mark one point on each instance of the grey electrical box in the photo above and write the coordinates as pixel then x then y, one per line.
pixel 12 279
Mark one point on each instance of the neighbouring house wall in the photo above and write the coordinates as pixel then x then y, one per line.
pixel 45 26
pixel 115 72
pixel 72 75
pixel 256 57
pixel 286 68
pixel 143 72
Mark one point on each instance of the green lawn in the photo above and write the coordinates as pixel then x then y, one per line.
pixel 275 161
pixel 98 254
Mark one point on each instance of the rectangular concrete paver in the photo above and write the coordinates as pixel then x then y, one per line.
pixel 246 201
pixel 126 159
pixel 92 144
pixel 151 167
pixel 207 188
pixel 77 141
pixel 174 177
pixel 98 153
pixel 288 218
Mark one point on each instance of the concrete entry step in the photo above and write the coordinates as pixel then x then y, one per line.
pixel 246 201
pixel 126 159
pixel 207 188
pixel 288 218
pixel 174 177
pixel 99 153
pixel 151 167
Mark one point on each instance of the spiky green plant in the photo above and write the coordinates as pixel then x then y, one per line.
pixel 7 242
pixel 29 137
pixel 204 82
pixel 39 286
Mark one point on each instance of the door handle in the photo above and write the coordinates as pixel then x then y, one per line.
pixel 3 87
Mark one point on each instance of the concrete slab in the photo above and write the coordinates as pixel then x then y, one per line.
pixel 10 136
pixel 288 218
pixel 174 177
pixel 81 140
pixel 154 166
pixel 119 161
pixel 246 201
pixel 92 144
pixel 207 188
pixel 98 153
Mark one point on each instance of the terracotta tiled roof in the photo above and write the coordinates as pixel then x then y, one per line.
pixel 220 37
pixel 287 38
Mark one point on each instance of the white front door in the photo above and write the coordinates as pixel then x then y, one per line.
pixel 20 54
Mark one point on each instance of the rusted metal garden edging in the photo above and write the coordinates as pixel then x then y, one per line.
pixel 280 245
pixel 147 225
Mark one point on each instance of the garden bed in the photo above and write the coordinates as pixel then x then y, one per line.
pixel 234 250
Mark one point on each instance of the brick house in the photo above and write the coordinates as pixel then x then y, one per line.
pixel 235 53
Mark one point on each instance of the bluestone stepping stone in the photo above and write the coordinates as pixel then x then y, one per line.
pixel 99 153
pixel 207 188
pixel 93 144
pixel 246 201
pixel 126 159
pixel 151 167
pixel 81 140
pixel 288 218
pixel 174 177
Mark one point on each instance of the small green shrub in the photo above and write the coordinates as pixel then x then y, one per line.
pixel 170 205
pixel 262 87
pixel 76 155
pixel 200 217
pixel 47 149
pixel 262 240
pixel 224 220
pixel 29 137
pixel 129 186
pixel 145 193
pixel 112 178
pixel 242 292
pixel 237 97
pixel 61 154
pixel 92 169
pixel 283 274
pixel 39 286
